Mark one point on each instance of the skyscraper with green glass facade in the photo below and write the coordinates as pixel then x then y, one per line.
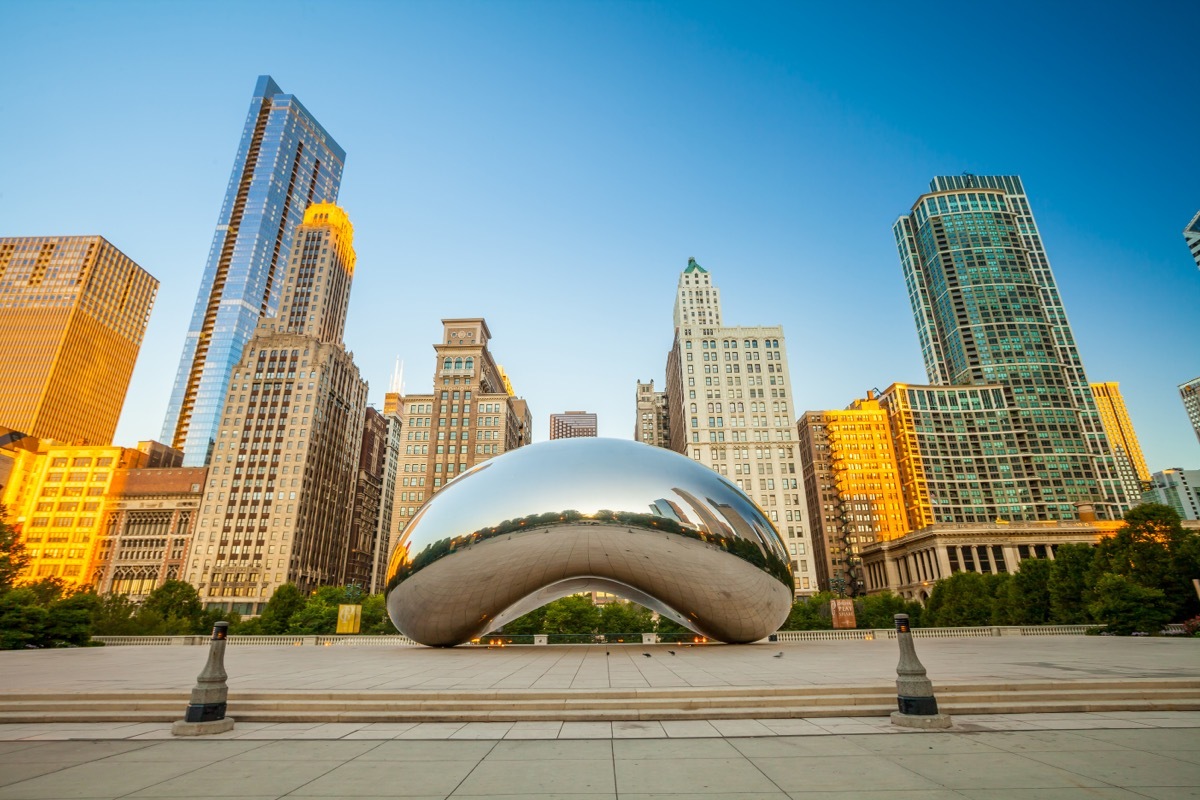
pixel 988 312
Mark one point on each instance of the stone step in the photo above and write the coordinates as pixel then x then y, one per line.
pixel 607 704
pixel 600 715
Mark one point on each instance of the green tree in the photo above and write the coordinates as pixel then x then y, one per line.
pixel 69 620
pixel 672 631
pixel 21 620
pixel 1153 550
pixel 115 615
pixel 572 614
pixel 964 599
pixel 177 604
pixel 1024 598
pixel 1070 585
pixel 316 618
pixel 277 615
pixel 527 624
pixel 14 560
pixel 810 613
pixel 1125 606
pixel 880 610
pixel 375 619
pixel 45 591
pixel 620 616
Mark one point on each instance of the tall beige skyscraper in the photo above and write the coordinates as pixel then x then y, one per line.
pixel 73 310
pixel 279 503
pixel 729 405
pixel 470 416
pixel 1131 464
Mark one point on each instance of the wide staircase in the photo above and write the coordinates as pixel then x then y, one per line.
pixel 717 702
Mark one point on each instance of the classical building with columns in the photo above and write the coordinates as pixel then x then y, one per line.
pixel 909 566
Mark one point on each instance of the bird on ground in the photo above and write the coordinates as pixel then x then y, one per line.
pixel 778 655
pixel 605 652
pixel 672 652
pixel 647 655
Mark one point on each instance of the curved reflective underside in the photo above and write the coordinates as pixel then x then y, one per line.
pixel 575 515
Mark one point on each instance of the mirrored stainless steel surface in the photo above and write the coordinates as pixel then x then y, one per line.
pixel 573 515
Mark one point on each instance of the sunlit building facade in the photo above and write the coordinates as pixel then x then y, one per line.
pixel 73 311
pixel 149 523
pixel 285 162
pixel 728 401
pixel 1131 464
pixel 471 415
pixel 852 487
pixel 988 313
pixel 281 486
pixel 55 498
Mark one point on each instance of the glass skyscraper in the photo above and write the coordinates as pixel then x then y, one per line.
pixel 285 162
pixel 988 312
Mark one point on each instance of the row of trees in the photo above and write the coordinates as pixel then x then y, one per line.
pixel 1137 580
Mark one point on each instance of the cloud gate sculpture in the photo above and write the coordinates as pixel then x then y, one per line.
pixel 580 515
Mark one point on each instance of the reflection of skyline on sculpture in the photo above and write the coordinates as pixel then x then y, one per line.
pixel 572 515
pixel 574 487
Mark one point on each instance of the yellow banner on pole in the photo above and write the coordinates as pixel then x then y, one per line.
pixel 349 619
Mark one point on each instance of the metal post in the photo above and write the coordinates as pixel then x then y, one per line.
pixel 914 691
pixel 206 711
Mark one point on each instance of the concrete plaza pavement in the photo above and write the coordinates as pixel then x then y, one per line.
pixel 1128 754
pixel 1121 757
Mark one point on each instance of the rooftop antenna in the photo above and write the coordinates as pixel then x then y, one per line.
pixel 396 384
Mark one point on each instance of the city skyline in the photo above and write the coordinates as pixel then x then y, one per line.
pixel 774 137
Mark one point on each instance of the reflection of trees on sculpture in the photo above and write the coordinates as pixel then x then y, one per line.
pixel 734 545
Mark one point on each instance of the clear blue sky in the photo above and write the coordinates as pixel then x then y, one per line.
pixel 552 165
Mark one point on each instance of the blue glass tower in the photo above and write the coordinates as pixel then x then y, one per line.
pixel 285 162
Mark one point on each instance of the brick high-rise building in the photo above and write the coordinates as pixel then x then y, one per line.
pixel 471 415
pixel 988 313
pixel 572 424
pixel 285 162
pixel 368 501
pixel 281 486
pixel 653 424
pixel 73 311
pixel 728 398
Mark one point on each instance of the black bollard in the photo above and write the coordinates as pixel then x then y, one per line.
pixel 914 691
pixel 206 711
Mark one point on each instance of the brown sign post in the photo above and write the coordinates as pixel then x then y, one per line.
pixel 842 611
